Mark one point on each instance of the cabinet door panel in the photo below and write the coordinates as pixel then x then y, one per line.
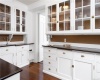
pixel 82 71
pixel 19 59
pixel 97 71
pixel 8 58
pixel 25 58
pixel 64 68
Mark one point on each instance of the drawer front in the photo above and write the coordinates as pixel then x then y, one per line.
pixel 50 56
pixel 50 50
pixel 7 50
pixel 65 54
pixel 50 63
pixel 50 69
pixel 21 48
pixel 84 56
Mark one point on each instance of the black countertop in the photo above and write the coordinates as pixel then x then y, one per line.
pixel 7 70
pixel 84 49
pixel 16 44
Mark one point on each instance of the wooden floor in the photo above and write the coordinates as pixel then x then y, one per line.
pixel 34 71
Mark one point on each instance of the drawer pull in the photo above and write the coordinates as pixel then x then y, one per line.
pixel 64 53
pixel 49 56
pixel 49 69
pixel 82 56
pixel 22 47
pixel 49 50
pixel 6 49
pixel 49 63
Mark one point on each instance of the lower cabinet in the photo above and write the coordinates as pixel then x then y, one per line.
pixel 72 65
pixel 17 55
pixel 65 68
pixel 82 71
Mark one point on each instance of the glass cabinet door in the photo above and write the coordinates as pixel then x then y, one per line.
pixel 18 20
pixel 64 16
pixel 82 14
pixel 52 18
pixel 5 17
pixel 23 21
pixel 97 14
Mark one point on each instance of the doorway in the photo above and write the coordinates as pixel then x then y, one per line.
pixel 42 33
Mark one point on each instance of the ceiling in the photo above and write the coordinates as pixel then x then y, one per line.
pixel 28 2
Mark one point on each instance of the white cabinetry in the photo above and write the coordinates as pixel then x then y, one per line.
pixel 50 60
pixel 7 54
pixel 71 65
pixel 65 60
pixel 22 55
pixel 97 67
pixel 83 66
pixel 17 55
pixel 73 17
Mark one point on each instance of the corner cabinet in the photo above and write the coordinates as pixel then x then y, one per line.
pixel 73 17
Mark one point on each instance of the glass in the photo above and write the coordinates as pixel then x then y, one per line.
pixel 78 13
pixel 86 2
pixel 18 28
pixel 18 20
pixel 67 25
pixel 86 24
pixel 86 12
pixel 23 28
pixel 78 25
pixel 17 12
pixel 23 14
pixel 78 3
pixel 8 18
pixel 8 26
pixel 2 17
pixel 8 9
pixel 2 25
pixel 2 7
pixel 97 23
pixel 61 27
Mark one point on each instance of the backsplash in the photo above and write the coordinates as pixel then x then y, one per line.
pixel 86 39
pixel 15 38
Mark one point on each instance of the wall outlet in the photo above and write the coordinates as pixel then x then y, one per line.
pixel 65 40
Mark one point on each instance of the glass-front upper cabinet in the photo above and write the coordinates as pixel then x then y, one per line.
pixel 52 18
pixel 5 17
pixel 20 21
pixel 64 16
pixel 97 14
pixel 83 15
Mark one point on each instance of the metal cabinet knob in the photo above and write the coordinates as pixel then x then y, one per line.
pixel 49 50
pixel 49 56
pixel 92 16
pixel 6 49
pixel 49 63
pixel 64 53
pixel 82 56
pixel 49 69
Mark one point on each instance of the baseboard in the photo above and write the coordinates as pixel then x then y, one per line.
pixel 52 74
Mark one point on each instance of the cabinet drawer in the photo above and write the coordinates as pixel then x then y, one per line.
pixel 65 54
pixel 50 63
pixel 21 48
pixel 50 69
pixel 84 56
pixel 50 56
pixel 50 50
pixel 7 50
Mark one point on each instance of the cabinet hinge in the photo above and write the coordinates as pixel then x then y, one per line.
pixel 72 66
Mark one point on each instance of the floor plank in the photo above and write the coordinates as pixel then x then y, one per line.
pixel 34 71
